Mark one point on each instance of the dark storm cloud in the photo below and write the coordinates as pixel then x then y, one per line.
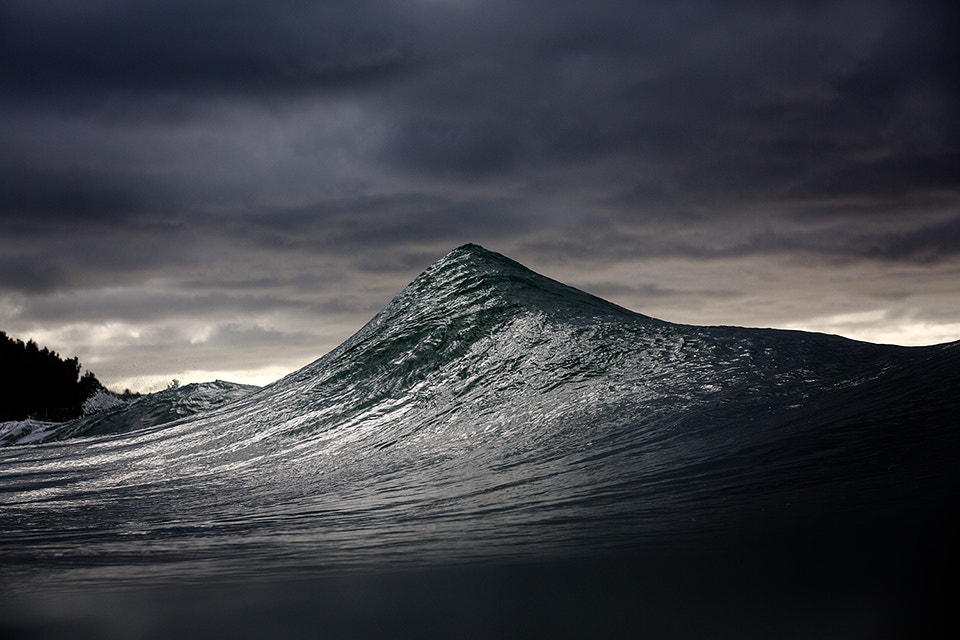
pixel 468 147
pixel 56 235
pixel 312 157
pixel 894 177
pixel 139 306
pixel 899 242
pixel 26 272
pixel 924 244
pixel 917 53
pixel 86 50
pixel 902 243
pixel 649 290
pixel 348 226
pixel 29 197
pixel 725 105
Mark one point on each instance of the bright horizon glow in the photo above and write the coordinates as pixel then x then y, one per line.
pixel 875 326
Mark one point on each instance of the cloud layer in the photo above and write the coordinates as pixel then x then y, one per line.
pixel 234 187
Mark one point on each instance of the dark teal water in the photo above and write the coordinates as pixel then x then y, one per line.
pixel 497 454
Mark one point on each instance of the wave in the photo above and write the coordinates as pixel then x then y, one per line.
pixel 487 415
pixel 162 407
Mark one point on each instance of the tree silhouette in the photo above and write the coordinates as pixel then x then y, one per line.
pixel 37 383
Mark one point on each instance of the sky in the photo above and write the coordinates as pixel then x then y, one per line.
pixel 201 189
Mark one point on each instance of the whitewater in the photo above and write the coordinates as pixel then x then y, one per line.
pixel 498 454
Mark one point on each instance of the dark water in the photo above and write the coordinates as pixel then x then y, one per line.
pixel 498 455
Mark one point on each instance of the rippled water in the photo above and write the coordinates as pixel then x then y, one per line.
pixel 498 454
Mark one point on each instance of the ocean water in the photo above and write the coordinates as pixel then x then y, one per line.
pixel 496 454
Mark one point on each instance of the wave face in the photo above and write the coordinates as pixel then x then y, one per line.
pixel 159 408
pixel 491 417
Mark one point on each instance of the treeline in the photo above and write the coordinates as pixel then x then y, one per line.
pixel 37 383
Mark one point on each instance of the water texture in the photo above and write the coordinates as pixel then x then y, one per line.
pixel 498 454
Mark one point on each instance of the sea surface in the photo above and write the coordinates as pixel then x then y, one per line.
pixel 496 454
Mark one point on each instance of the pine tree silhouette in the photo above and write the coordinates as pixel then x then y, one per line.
pixel 37 383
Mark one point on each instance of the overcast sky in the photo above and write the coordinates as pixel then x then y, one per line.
pixel 230 188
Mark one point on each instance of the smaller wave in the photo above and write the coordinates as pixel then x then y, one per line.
pixel 162 407
pixel 27 431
